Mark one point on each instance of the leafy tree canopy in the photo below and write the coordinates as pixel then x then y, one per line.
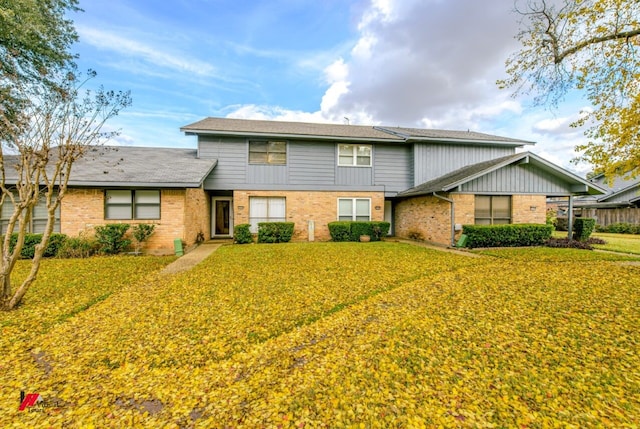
pixel 35 41
pixel 592 46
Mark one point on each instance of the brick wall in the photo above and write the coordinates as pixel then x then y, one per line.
pixel 197 215
pixel 430 217
pixel 83 209
pixel 529 208
pixel 303 206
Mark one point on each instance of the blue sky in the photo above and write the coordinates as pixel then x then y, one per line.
pixel 418 63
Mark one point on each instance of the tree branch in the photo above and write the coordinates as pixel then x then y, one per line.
pixel 559 57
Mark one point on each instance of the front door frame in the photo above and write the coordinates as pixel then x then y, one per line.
pixel 214 217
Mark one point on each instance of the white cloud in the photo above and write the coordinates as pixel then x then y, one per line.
pixel 155 55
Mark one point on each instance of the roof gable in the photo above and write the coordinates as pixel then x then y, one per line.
pixel 451 181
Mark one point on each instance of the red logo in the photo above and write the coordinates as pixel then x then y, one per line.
pixel 29 400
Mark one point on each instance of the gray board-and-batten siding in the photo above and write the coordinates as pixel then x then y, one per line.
pixel 310 166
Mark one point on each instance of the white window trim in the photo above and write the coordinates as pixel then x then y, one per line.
pixel 354 148
pixel 353 212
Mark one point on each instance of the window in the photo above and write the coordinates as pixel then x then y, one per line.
pixel 492 209
pixel 270 152
pixel 38 217
pixel 354 209
pixel 358 155
pixel 266 209
pixel 129 204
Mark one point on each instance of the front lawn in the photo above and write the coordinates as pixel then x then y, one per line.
pixel 625 243
pixel 339 335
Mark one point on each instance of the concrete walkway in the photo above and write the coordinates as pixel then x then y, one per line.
pixel 193 258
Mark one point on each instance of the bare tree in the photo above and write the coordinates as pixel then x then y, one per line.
pixel 37 153
pixel 592 46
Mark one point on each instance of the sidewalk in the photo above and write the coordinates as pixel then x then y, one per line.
pixel 192 258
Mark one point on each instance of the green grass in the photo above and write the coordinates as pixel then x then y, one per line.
pixel 625 243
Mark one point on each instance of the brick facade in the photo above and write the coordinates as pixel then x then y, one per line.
pixel 529 209
pixel 304 206
pixel 183 213
pixel 429 217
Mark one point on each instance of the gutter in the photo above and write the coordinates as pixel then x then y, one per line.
pixel 453 217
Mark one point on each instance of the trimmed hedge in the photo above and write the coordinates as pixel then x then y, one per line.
pixel 582 228
pixel 508 235
pixel 620 228
pixel 275 232
pixel 31 240
pixel 352 230
pixel 242 234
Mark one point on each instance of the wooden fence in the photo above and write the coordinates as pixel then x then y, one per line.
pixel 606 217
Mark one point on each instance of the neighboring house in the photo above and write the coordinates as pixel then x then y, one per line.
pixel 619 204
pixel 426 183
pixel 120 184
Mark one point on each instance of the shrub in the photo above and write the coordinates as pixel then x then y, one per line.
pixel 415 235
pixel 565 243
pixel 510 235
pixel 582 228
pixel 352 230
pixel 78 247
pixel 340 231
pixel 552 217
pixel 31 240
pixel 242 234
pixel 275 232
pixel 619 228
pixel 141 233
pixel 110 237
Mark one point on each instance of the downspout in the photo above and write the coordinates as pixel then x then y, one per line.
pixel 453 217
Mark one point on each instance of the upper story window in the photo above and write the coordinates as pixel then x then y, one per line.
pixel 268 152
pixel 354 155
pixel 132 204
pixel 492 209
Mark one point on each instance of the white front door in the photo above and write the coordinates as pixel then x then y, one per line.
pixel 221 217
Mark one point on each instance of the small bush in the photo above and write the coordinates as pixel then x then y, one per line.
pixel 78 247
pixel 141 233
pixel 275 232
pixel 340 231
pixel 352 230
pixel 110 237
pixel 31 240
pixel 415 235
pixel 619 228
pixel 582 228
pixel 565 243
pixel 242 234
pixel 552 217
pixel 509 235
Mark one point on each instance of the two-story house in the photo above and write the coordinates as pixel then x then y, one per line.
pixel 427 183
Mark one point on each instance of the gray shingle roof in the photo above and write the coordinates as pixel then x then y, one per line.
pixel 451 136
pixel 246 127
pixel 141 166
pixel 128 166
